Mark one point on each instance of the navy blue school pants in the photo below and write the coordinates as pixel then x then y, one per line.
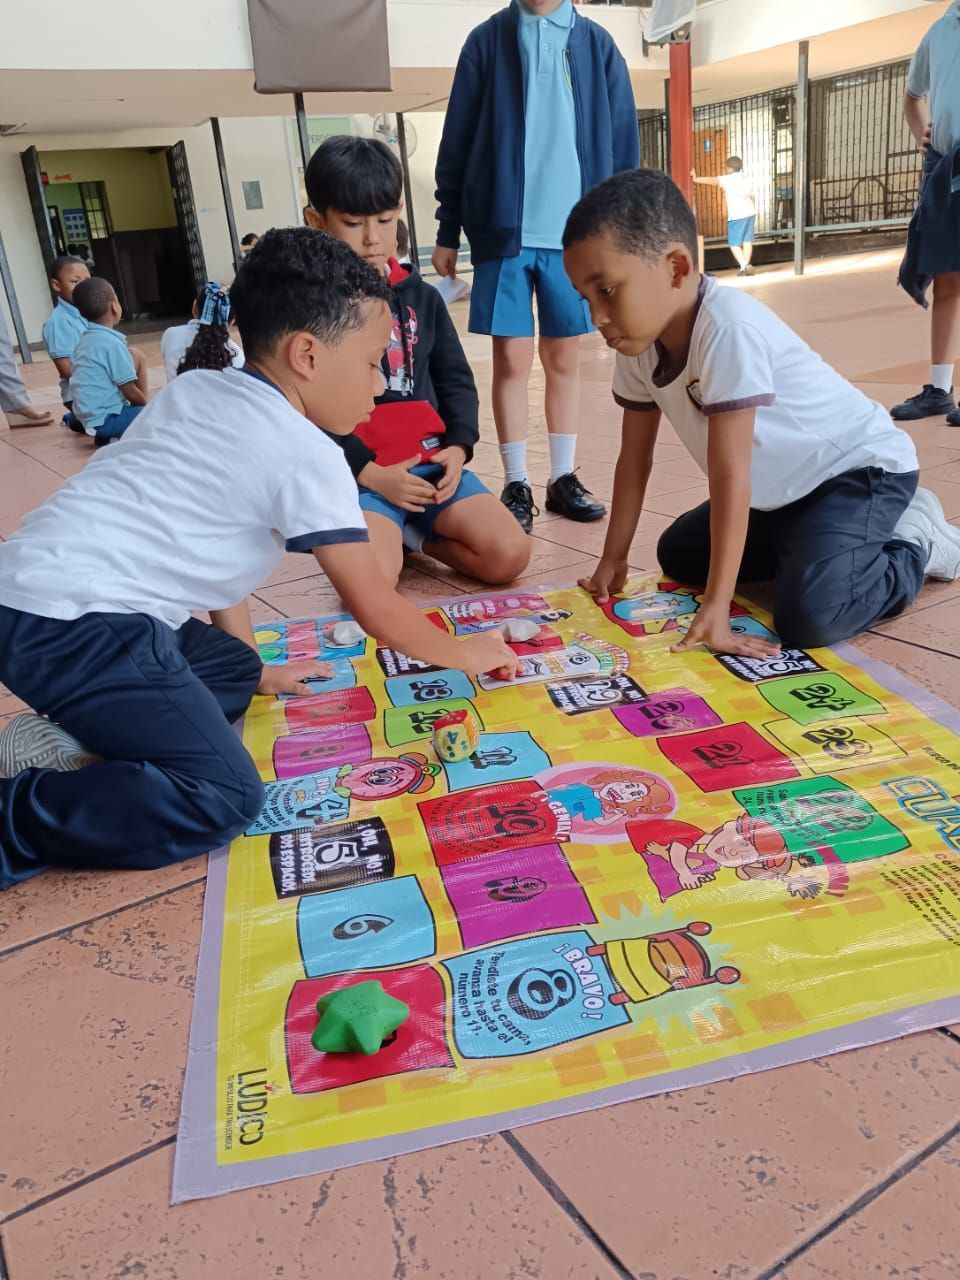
pixel 157 706
pixel 832 557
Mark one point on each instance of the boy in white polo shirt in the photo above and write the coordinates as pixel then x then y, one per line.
pixel 811 484
pixel 193 510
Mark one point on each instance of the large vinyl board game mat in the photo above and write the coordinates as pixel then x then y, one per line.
pixel 657 870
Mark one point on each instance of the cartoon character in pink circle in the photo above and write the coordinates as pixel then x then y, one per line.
pixel 601 799
pixel 384 779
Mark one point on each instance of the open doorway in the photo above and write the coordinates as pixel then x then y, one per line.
pixel 130 211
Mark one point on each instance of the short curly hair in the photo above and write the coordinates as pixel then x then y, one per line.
pixel 298 279
pixel 642 210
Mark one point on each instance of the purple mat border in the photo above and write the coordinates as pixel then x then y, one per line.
pixel 197 1175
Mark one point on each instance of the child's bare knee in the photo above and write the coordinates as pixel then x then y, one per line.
pixel 507 563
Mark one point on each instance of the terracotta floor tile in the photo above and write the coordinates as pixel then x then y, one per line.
pixel 935 627
pixel 938 672
pixel 101 1054
pixel 766 1159
pixel 59 900
pixel 466 1212
pixel 908 1231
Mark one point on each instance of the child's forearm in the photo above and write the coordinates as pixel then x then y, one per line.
pixel 729 516
pixel 634 464
pixel 236 622
pixel 133 393
pixel 916 112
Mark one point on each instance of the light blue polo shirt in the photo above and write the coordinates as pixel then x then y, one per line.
pixel 552 183
pixel 62 331
pixel 102 364
pixel 935 73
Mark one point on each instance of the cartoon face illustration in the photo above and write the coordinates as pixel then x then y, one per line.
pixel 384 779
pixel 679 856
pixel 654 606
pixel 606 798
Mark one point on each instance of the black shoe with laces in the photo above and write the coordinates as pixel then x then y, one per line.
pixel 932 402
pixel 566 496
pixel 517 497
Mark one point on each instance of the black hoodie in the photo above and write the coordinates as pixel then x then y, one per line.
pixel 424 361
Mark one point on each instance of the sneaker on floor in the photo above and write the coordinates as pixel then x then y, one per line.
pixel 566 496
pixel 932 402
pixel 953 418
pixel 32 742
pixel 517 497
pixel 924 522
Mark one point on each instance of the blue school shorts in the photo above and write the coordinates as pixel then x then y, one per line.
pixel 422 521
pixel 740 231
pixel 115 424
pixel 501 300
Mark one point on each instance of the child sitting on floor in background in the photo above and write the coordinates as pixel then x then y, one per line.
pixel 65 326
pixel 109 379
pixel 811 484
pixel 429 404
pixel 193 510
pixel 206 336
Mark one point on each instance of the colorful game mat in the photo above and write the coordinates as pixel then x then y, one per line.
pixel 657 871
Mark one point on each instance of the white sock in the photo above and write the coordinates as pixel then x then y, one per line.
pixel 412 538
pixel 514 455
pixel 941 375
pixel 563 452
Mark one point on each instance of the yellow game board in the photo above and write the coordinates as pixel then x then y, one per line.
pixel 658 870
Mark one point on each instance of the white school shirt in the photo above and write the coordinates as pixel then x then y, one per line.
pixel 935 73
pixel 811 424
pixel 174 343
pixel 739 193
pixel 190 511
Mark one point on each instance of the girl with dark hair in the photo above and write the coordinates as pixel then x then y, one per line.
pixel 204 342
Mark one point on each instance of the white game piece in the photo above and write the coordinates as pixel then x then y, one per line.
pixel 346 634
pixel 519 629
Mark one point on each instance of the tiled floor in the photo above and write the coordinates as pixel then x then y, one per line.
pixel 829 1170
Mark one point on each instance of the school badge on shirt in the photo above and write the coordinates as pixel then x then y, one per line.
pixel 694 393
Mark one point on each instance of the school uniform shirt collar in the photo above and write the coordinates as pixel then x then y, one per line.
pixel 564 16
pixel 69 308
pixel 105 328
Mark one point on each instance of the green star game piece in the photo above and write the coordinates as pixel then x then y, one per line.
pixel 357 1019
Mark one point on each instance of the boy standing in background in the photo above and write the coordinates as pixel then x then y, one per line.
pixel 65 326
pixel 931 107
pixel 741 210
pixel 541 110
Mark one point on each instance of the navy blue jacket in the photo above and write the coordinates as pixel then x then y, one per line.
pixel 933 239
pixel 481 159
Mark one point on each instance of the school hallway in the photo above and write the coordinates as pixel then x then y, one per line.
pixel 834 1169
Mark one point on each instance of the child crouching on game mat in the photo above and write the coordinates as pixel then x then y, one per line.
pixel 811 484
pixel 409 458
pixel 193 509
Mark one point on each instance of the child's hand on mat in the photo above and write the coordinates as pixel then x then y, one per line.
pixel 487 654
pixel 711 626
pixel 291 678
pixel 452 460
pixel 606 580
pixel 398 486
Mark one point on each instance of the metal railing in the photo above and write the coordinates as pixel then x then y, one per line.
pixel 864 167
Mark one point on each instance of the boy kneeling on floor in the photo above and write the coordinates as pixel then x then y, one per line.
pixel 193 509
pixel 811 485
pixel 409 459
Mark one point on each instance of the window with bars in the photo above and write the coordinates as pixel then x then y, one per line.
pixel 97 210
pixel 864 168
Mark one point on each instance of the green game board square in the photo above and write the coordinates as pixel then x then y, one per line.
pixel 822 696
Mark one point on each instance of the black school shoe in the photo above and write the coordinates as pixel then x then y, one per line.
pixel 932 402
pixel 517 497
pixel 567 497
